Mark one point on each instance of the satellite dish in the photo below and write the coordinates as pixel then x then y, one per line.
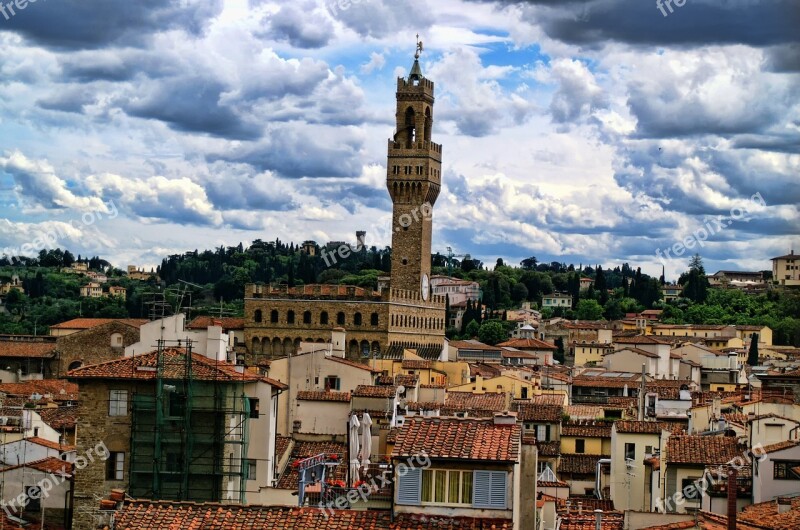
pixel 401 389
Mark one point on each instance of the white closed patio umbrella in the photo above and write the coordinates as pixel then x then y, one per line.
pixel 366 439
pixel 354 447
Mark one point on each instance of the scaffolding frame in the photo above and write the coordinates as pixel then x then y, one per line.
pixel 189 438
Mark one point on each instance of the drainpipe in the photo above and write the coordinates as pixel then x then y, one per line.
pixel 597 491
pixel 598 519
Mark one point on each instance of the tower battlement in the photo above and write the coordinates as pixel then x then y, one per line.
pixel 414 297
pixel 407 86
pixel 421 148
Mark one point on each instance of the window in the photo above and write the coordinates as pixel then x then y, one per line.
pixel 290 317
pixel 115 465
pixel 307 317
pixel 357 319
pixel 176 405
pixel 251 469
pixel 580 446
pixel 253 408
pixel 74 365
pixel 490 489
pixel 323 317
pixel 34 499
pixel 273 316
pixel 118 403
pixel 340 318
pixel 785 470
pixel 257 316
pixel 332 382
pixel 648 449
pixel 541 466
pixel 373 319
pixel 690 490
pixel 116 340
pixel 543 433
pixel 36 432
pixel 630 451
pixel 442 486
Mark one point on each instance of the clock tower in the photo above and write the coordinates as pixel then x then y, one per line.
pixel 413 178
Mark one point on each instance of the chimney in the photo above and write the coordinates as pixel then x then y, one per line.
pixel 569 505
pixel 580 508
pixel 598 519
pixel 731 498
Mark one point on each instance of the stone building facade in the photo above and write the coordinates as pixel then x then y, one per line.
pixel 98 344
pixel 406 314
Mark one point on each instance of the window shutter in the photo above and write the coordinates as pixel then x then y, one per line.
pixel 489 489
pixel 409 487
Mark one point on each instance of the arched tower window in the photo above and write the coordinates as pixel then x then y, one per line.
pixel 290 317
pixel 373 319
pixel 357 319
pixel 273 316
pixel 257 316
pixel 340 318
pixel 307 317
pixel 410 128
pixel 323 318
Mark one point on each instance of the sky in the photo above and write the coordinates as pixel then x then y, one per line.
pixel 587 132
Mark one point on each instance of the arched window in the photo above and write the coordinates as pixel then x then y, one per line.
pixel 307 317
pixel 273 316
pixel 373 319
pixel 323 318
pixel 410 127
pixel 290 317
pixel 340 318
pixel 257 316
pixel 357 319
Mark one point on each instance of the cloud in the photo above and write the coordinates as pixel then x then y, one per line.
pixel 299 25
pixel 376 62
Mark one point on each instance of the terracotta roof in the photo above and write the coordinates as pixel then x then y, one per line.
pixel 549 448
pixel 637 351
pixel 767 514
pixel 275 383
pixel 50 464
pixel 551 484
pixel 59 389
pixel 313 395
pixel 584 412
pixel 780 446
pixel 641 339
pixel 86 323
pixel 18 348
pixel 50 445
pixel 586 521
pixel 144 367
pixel 161 515
pixel 507 352
pixel 472 345
pixel 469 402
pixel 588 429
pixel 204 322
pixel 407 380
pixel 59 418
pixel 590 503
pixel 540 413
pixel 290 478
pixel 548 399
pixel 282 444
pixel 529 344
pixel 354 364
pixel 701 450
pixel 416 364
pixel 683 525
pixel 579 464
pixel 640 427
pixel 487 371
pixel 375 391
pixel 384 380
pixel 458 439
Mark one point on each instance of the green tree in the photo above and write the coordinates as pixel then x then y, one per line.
pixel 473 328
pixel 519 293
pixel 492 332
pixel 589 310
pixel 694 282
pixel 560 354
pixel 752 355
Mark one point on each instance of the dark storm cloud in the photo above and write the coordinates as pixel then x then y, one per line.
pixel 778 143
pixel 299 26
pixel 374 18
pixel 785 58
pixel 86 24
pixel 114 65
pixel 697 22
pixel 69 99
pixel 192 105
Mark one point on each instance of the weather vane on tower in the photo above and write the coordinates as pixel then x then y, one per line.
pixel 419 48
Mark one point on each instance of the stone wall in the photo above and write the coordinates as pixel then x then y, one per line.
pixel 93 345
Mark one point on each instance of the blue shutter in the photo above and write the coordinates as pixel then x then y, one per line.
pixel 489 489
pixel 409 487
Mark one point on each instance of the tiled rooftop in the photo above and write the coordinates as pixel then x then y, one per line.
pixel 50 445
pixel 540 413
pixel 416 364
pixel 314 395
pixel 51 464
pixel 469 402
pixel 584 412
pixel 59 418
pixel 144 367
pixel 780 446
pixel 58 389
pixel 580 464
pixel 700 450
pixel 204 322
pixel 164 515
pixel 289 479
pixel 587 429
pixel 372 391
pixel 640 427
pixel 13 348
pixel 86 323
pixel 528 344
pixel 460 439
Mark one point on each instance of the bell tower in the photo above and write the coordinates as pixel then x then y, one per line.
pixel 413 178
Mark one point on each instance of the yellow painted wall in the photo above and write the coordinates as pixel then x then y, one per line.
pixel 592 446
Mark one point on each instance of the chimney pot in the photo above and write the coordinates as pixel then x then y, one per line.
pixel 598 519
